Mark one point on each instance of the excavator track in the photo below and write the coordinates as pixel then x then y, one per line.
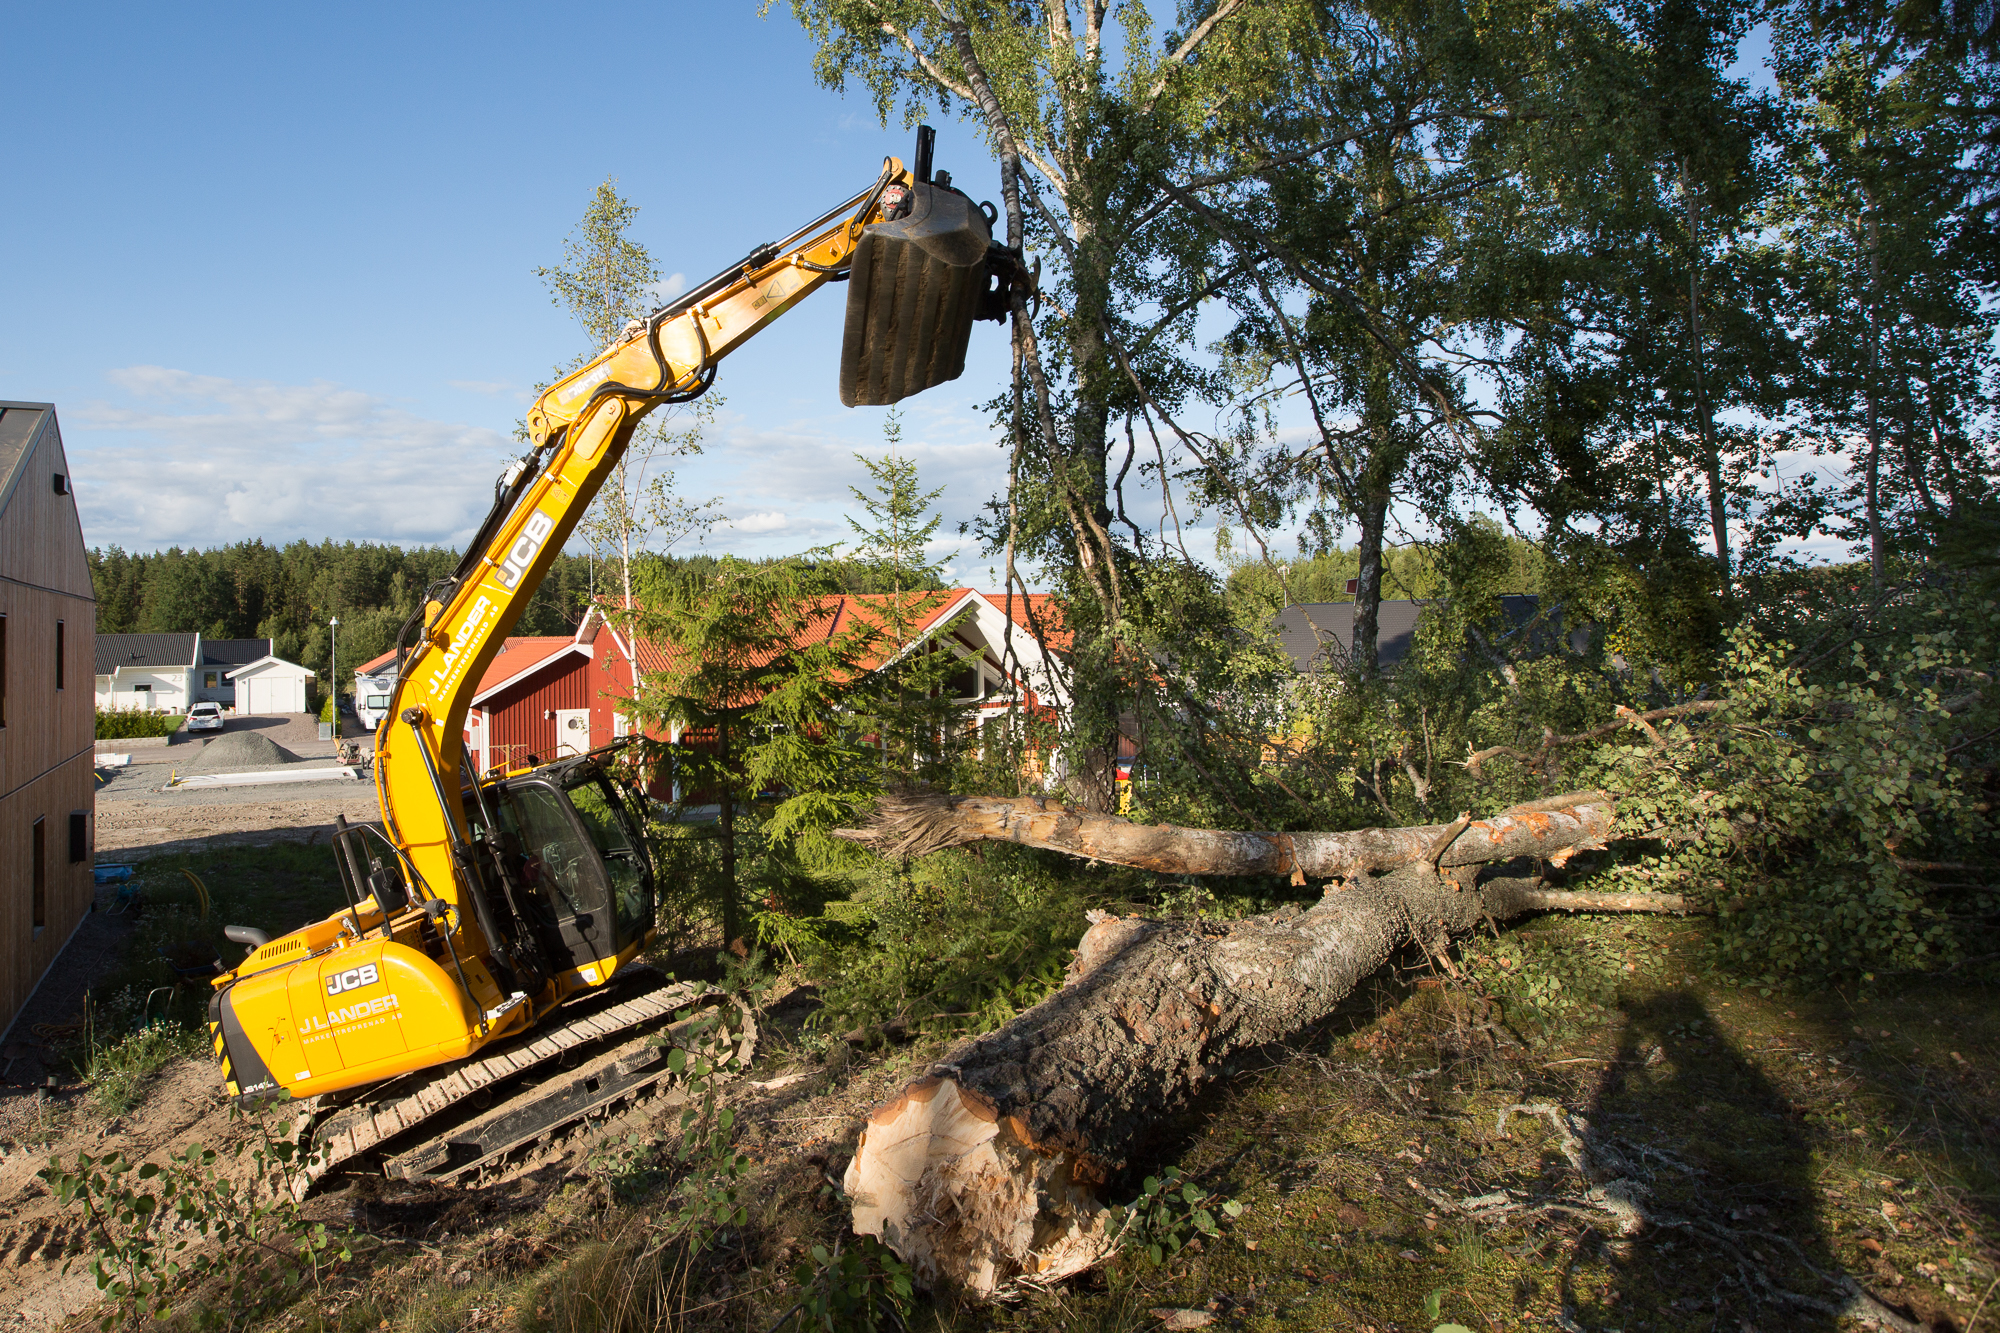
pixel 446 1123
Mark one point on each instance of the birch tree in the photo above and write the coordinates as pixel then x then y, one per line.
pixel 606 280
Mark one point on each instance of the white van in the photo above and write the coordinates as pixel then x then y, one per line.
pixel 371 697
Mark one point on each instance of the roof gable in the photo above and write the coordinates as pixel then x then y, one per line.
pixel 521 657
pixel 263 664
pixel 375 664
pixel 45 545
pixel 20 423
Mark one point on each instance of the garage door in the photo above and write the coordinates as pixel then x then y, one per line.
pixel 270 696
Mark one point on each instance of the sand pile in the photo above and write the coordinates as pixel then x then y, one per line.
pixel 238 752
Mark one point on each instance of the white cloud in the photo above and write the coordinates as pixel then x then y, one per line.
pixel 767 522
pixel 667 288
pixel 200 460
pixel 491 388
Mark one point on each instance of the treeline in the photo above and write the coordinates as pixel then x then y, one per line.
pixel 1257 587
pixel 255 590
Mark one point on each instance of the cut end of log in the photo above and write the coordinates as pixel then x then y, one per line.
pixel 964 1198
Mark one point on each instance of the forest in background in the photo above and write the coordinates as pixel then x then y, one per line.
pixel 251 590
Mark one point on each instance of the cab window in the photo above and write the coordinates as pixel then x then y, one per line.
pixel 609 832
pixel 550 859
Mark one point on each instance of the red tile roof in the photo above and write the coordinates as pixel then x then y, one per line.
pixel 516 655
pixel 519 655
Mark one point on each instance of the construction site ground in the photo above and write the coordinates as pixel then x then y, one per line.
pixel 139 815
pixel 1791 1149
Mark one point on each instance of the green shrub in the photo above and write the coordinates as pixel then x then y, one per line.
pixel 960 940
pixel 128 724
pixel 117 1072
pixel 1836 819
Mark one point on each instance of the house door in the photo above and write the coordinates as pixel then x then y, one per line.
pixel 572 731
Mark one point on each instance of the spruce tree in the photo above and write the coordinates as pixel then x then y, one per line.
pixel 754 685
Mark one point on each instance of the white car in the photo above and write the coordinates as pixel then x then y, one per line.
pixel 205 717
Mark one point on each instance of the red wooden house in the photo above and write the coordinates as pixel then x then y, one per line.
pixel 548 696
pixel 537 701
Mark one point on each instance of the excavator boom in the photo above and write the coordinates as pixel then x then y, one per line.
pixel 485 901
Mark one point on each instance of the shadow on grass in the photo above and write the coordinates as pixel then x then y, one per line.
pixel 1727 1172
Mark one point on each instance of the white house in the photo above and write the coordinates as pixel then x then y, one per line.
pixel 150 673
pixel 270 685
pixel 165 673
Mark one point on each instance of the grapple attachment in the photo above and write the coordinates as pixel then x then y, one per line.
pixel 917 283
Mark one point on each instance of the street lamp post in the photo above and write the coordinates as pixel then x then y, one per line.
pixel 333 649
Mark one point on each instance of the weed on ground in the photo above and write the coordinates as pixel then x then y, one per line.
pixel 140 1010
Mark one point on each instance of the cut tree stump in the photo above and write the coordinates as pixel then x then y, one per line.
pixel 985 1171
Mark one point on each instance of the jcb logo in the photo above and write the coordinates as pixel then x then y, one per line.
pixel 354 978
pixel 522 554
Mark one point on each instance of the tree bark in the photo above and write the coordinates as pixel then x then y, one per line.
pixel 911 824
pixel 1711 453
pixel 986 1170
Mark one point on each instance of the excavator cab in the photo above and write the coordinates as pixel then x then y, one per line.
pixel 570 842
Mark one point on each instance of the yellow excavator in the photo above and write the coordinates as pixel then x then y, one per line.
pixel 479 991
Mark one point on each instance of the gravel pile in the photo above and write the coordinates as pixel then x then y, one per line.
pixel 238 752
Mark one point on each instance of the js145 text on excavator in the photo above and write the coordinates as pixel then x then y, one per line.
pixel 484 985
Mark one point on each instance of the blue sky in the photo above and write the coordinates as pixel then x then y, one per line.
pixel 274 264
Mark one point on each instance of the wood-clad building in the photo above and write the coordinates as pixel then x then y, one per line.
pixel 47 719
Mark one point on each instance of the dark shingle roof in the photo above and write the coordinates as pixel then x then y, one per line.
pixel 234 652
pixel 144 650
pixel 1316 634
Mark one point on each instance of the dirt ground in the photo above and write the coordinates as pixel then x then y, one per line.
pixel 138 815
pixel 154 823
pixel 38 1238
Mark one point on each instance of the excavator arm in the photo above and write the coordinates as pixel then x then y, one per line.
pixel 456 934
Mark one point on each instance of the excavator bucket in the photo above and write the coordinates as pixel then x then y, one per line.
pixel 916 285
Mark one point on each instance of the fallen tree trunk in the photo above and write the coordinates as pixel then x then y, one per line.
pixel 906 825
pixel 985 1170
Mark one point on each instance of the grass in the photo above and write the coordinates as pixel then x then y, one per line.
pixel 118 1071
pixel 1745 1118
pixel 1775 1138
